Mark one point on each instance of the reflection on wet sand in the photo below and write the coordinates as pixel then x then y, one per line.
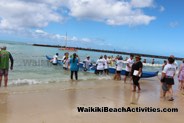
pixel 58 102
pixel 134 98
pixel 3 107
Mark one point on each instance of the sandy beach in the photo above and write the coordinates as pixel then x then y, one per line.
pixel 56 103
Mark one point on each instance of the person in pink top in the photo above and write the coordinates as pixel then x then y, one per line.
pixel 181 76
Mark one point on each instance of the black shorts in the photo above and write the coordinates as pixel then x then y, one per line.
pixel 65 68
pixel 99 72
pixel 106 70
pixel 136 80
pixel 127 73
pixel 119 72
pixel 169 81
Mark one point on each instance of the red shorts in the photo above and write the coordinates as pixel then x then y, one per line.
pixel 3 72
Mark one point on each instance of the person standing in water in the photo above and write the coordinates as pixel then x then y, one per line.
pixel 129 64
pixel 119 66
pixel 106 65
pixel 153 61
pixel 66 61
pixel 136 73
pixel 5 56
pixel 87 63
pixel 74 62
pixel 55 59
pixel 100 65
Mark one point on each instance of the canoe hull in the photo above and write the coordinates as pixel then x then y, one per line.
pixel 112 70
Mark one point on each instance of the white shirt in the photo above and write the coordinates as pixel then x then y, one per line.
pixel 100 64
pixel 86 64
pixel 106 66
pixel 63 58
pixel 54 59
pixel 119 65
pixel 130 62
pixel 66 62
pixel 169 70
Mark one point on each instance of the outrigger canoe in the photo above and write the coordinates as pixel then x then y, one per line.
pixel 58 61
pixel 112 70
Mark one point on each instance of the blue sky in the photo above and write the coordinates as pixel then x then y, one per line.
pixel 141 26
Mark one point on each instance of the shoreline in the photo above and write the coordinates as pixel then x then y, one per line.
pixel 53 103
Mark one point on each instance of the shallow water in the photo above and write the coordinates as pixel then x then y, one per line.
pixel 31 66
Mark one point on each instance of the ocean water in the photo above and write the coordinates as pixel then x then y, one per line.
pixel 32 67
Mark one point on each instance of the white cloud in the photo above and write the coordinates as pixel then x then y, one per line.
pixel 18 15
pixel 21 15
pixel 142 3
pixel 112 12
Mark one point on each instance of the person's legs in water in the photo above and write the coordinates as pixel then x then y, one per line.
pixel 71 75
pixel 5 80
pixel 118 77
pixel 0 79
pixel 76 75
pixel 125 79
pixel 5 74
pixel 126 75
pixel 1 76
pixel 115 76
pixel 101 72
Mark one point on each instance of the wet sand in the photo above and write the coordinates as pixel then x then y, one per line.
pixel 56 103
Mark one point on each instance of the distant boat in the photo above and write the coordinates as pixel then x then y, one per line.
pixel 112 70
pixel 67 48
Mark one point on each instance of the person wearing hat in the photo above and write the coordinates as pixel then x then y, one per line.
pixel 5 56
pixel 87 63
pixel 136 72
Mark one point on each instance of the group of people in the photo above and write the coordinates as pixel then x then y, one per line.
pixel 71 63
pixel 134 68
